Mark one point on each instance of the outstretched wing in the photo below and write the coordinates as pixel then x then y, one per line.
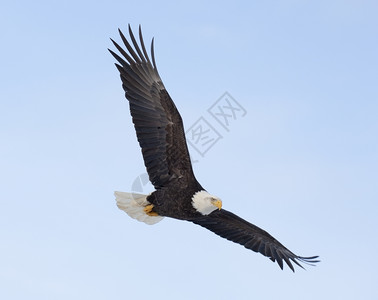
pixel 234 228
pixel 157 122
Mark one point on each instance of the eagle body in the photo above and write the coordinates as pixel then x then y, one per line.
pixel 175 202
pixel 161 136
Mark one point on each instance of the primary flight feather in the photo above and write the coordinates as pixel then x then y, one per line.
pixel 160 132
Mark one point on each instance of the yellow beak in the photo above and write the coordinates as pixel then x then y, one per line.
pixel 217 203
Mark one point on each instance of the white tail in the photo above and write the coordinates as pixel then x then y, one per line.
pixel 133 204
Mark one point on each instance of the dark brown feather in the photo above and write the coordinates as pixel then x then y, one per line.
pixel 234 228
pixel 157 122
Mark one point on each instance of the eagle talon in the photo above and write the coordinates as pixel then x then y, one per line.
pixel 148 210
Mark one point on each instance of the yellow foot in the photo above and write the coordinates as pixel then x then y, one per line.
pixel 148 210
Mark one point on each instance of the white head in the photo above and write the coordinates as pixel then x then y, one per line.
pixel 205 203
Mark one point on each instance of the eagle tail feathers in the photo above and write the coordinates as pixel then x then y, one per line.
pixel 133 204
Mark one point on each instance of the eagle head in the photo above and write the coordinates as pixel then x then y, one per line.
pixel 205 203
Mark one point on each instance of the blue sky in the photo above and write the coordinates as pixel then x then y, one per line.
pixel 302 163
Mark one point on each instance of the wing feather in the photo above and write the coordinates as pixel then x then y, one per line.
pixel 234 228
pixel 157 122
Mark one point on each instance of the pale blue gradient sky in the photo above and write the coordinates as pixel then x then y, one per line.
pixel 302 164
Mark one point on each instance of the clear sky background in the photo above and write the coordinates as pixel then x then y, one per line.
pixel 302 163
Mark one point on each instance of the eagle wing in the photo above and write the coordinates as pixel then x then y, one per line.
pixel 234 228
pixel 157 122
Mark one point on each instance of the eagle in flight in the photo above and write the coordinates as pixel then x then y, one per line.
pixel 160 132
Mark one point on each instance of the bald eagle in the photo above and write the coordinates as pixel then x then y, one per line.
pixel 160 132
